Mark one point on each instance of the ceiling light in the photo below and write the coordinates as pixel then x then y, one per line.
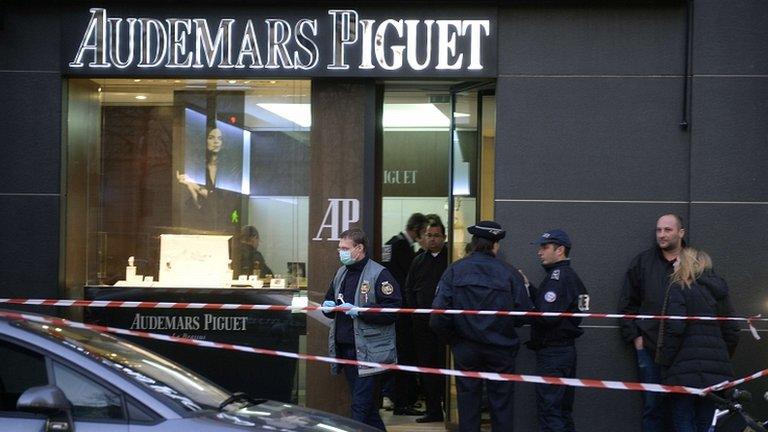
pixel 140 97
pixel 273 82
pixel 232 81
pixel 137 80
pixel 413 116
pixel 301 114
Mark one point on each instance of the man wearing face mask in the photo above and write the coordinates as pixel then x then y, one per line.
pixel 358 336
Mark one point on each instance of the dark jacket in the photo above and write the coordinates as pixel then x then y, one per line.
pixel 558 292
pixel 423 277
pixel 249 256
pixel 697 353
pixel 397 256
pixel 645 285
pixel 480 281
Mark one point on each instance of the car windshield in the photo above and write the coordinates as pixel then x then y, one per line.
pixel 188 389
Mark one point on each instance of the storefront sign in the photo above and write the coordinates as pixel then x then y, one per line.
pixel 339 215
pixel 335 42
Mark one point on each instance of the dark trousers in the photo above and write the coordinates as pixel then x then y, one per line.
pixel 406 388
pixel 362 390
pixel 430 353
pixel 473 356
pixel 554 403
pixel 653 403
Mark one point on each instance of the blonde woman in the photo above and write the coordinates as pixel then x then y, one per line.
pixel 696 353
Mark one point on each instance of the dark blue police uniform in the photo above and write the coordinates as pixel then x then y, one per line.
pixel 553 340
pixel 482 343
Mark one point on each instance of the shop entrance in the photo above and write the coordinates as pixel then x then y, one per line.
pixel 437 147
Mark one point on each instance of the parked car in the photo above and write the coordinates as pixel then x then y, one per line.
pixel 66 379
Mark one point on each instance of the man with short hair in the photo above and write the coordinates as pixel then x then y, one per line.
pixel 643 293
pixel 486 343
pixel 397 256
pixel 358 336
pixel 553 338
pixel 421 284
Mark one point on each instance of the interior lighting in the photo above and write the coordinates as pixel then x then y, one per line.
pixel 140 97
pixel 414 116
pixel 300 114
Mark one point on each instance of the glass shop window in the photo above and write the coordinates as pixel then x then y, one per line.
pixel 187 182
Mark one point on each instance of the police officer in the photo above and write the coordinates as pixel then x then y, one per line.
pixel 553 337
pixel 482 342
pixel 361 336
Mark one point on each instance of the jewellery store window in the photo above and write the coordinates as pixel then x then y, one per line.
pixel 186 182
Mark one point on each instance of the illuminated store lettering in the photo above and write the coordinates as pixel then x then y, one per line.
pixel 177 36
pixel 306 44
pixel 221 46
pixel 249 48
pixel 344 33
pixel 278 35
pixel 152 30
pixel 397 50
pixel 340 214
pixel 390 44
pixel 413 61
pixel 114 37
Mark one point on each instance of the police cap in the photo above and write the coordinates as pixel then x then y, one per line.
pixel 556 236
pixel 487 229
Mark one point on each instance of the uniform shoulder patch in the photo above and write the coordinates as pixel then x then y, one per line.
pixel 386 253
pixel 555 274
pixel 387 288
pixel 550 296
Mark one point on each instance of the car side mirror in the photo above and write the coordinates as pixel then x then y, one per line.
pixel 50 401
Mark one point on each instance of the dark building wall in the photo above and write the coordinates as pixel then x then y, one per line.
pixel 590 98
pixel 30 142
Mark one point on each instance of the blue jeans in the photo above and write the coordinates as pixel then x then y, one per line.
pixel 650 372
pixel 364 407
pixel 691 413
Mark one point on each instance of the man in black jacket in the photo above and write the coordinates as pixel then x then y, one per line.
pixel 397 256
pixel 421 284
pixel 643 292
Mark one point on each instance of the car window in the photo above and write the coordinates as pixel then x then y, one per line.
pixel 90 400
pixel 20 369
pixel 189 390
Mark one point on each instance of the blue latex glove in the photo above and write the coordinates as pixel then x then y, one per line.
pixel 329 304
pixel 351 313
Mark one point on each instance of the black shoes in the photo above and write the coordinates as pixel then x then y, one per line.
pixel 408 411
pixel 429 419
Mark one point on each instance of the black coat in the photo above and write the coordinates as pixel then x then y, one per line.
pixel 397 256
pixel 645 285
pixel 698 353
pixel 423 278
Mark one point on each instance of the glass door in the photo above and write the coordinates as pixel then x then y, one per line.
pixel 470 195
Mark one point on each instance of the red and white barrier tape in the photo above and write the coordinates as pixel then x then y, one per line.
pixel 471 374
pixel 572 382
pixel 241 306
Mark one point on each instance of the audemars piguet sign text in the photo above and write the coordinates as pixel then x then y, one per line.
pixel 338 42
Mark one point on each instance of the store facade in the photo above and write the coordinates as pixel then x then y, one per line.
pixel 149 132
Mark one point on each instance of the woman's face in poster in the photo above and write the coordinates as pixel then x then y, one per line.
pixel 213 143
